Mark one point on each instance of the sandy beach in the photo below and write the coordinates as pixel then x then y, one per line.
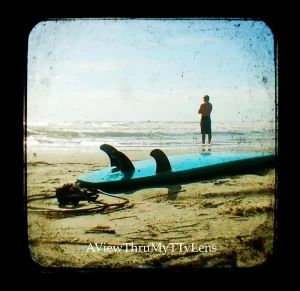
pixel 226 221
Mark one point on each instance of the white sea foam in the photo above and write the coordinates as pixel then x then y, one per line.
pixel 146 135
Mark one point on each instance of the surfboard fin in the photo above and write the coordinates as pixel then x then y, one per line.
pixel 108 149
pixel 124 162
pixel 162 161
pixel 117 158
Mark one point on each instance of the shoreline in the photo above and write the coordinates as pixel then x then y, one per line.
pixel 76 155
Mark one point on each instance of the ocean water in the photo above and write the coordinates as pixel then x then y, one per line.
pixel 124 135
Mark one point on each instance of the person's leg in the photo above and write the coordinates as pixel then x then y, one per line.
pixel 209 138
pixel 203 138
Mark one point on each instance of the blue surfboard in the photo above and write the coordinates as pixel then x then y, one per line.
pixel 160 169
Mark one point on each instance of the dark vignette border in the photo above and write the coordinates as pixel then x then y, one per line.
pixel 19 36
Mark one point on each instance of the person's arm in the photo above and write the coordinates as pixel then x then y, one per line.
pixel 200 109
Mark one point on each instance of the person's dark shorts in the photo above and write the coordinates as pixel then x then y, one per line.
pixel 205 125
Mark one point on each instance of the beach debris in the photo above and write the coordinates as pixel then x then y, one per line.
pixel 187 225
pixel 248 211
pixel 212 205
pixel 160 239
pixel 233 216
pixel 122 217
pixel 148 238
pixel 100 229
pixel 218 183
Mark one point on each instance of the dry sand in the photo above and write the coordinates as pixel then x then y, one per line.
pixel 227 221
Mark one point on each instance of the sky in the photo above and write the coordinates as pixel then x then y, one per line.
pixel 150 69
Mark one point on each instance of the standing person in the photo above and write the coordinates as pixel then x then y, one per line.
pixel 205 122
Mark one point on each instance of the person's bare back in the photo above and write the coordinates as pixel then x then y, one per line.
pixel 205 109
